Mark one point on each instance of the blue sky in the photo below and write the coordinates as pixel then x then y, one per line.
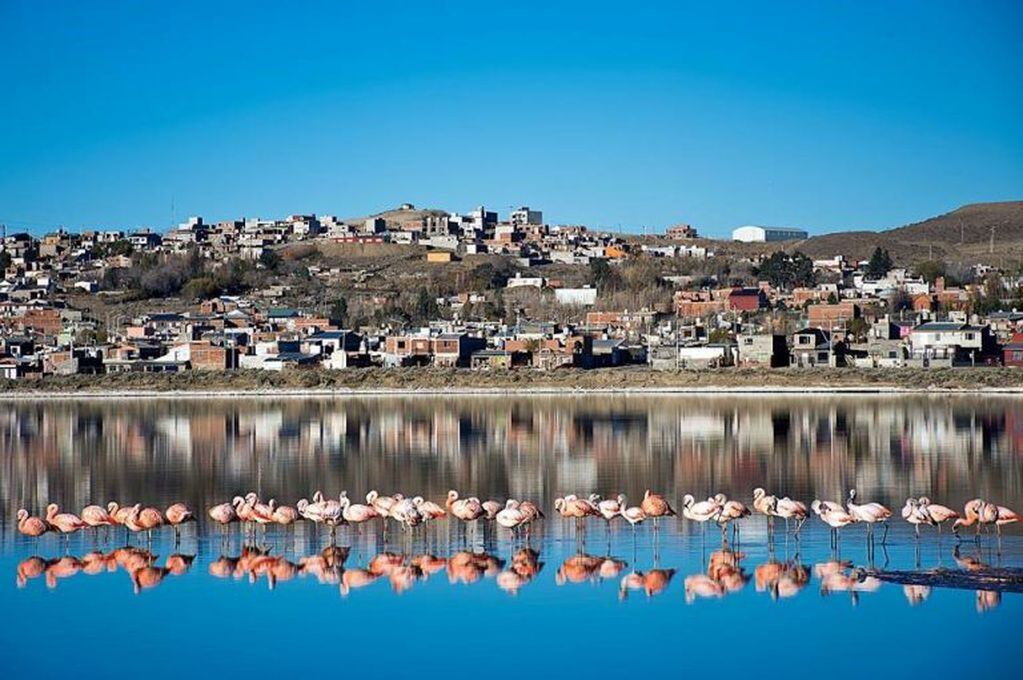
pixel 826 116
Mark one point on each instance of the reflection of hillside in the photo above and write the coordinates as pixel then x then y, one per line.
pixel 201 450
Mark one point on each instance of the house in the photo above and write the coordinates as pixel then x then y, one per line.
pixel 487 359
pixel 455 349
pixel 680 232
pixel 520 281
pixel 825 314
pixel 693 356
pixel 1012 353
pixel 440 256
pixel 813 347
pixel 407 350
pixel 747 300
pixel 768 350
pixel 947 343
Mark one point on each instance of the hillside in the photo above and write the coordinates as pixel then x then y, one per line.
pixel 964 233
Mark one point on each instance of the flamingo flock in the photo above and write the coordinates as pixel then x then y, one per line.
pixel 136 518
pixel 517 516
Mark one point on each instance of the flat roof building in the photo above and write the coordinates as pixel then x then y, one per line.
pixel 754 234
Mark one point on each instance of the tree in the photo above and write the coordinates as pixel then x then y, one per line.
pixel 425 307
pixel 269 259
pixel 486 276
pixel 603 276
pixel 202 288
pixel 930 270
pixel 339 312
pixel 899 302
pixel 857 329
pixel 5 260
pixel 879 264
pixel 718 336
pixel 785 271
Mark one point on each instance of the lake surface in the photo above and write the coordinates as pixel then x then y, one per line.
pixel 458 601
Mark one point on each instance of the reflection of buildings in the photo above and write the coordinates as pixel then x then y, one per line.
pixel 197 450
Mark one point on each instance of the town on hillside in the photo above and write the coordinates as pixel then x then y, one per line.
pixel 414 288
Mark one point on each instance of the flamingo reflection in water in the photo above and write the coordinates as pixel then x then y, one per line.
pixel 139 564
pixel 839 576
pixel 652 582
pixel 583 568
pixel 525 565
pixel 725 575
pixel 781 579
pixel 916 594
pixel 986 599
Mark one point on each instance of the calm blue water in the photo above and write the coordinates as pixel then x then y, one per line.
pixel 676 601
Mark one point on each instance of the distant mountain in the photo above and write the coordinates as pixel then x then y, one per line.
pixel 964 233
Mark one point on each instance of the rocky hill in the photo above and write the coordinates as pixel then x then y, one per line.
pixel 964 233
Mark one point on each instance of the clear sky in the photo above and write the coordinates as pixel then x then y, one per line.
pixel 826 116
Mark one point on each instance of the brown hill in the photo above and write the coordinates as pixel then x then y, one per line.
pixel 963 234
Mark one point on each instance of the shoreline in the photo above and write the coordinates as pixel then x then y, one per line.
pixel 462 391
pixel 441 382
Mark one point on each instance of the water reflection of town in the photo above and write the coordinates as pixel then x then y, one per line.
pixel 78 452
pixel 723 573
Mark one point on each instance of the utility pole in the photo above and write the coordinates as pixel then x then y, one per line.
pixel 992 246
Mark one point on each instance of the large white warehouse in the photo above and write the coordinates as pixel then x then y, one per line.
pixel 752 234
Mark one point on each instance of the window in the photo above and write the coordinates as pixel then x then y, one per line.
pixel 969 336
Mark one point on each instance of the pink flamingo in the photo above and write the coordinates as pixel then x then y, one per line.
pixel 31 526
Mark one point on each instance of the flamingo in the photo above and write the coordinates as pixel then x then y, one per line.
pixel 533 513
pixel 358 513
pixel 283 515
pixel 939 514
pixel 465 509
pixel 406 513
pixel 787 509
pixel 430 510
pixel 144 519
pixel 96 516
pixel 332 512
pixel 729 511
pixel 975 513
pixel 633 516
pixel 869 513
pixel 610 508
pixel 655 506
pixel 574 507
pixel 31 526
pixel 1005 516
pixel 118 513
pixel 383 504
pixel 491 508
pixel 836 519
pixel 223 514
pixel 511 517
pixel 66 522
pixel 699 512
pixel 916 514
pixel 819 506
pixel 176 515
pixel 764 504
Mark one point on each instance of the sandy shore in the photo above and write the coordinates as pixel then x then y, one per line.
pixel 457 382
pixel 493 392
